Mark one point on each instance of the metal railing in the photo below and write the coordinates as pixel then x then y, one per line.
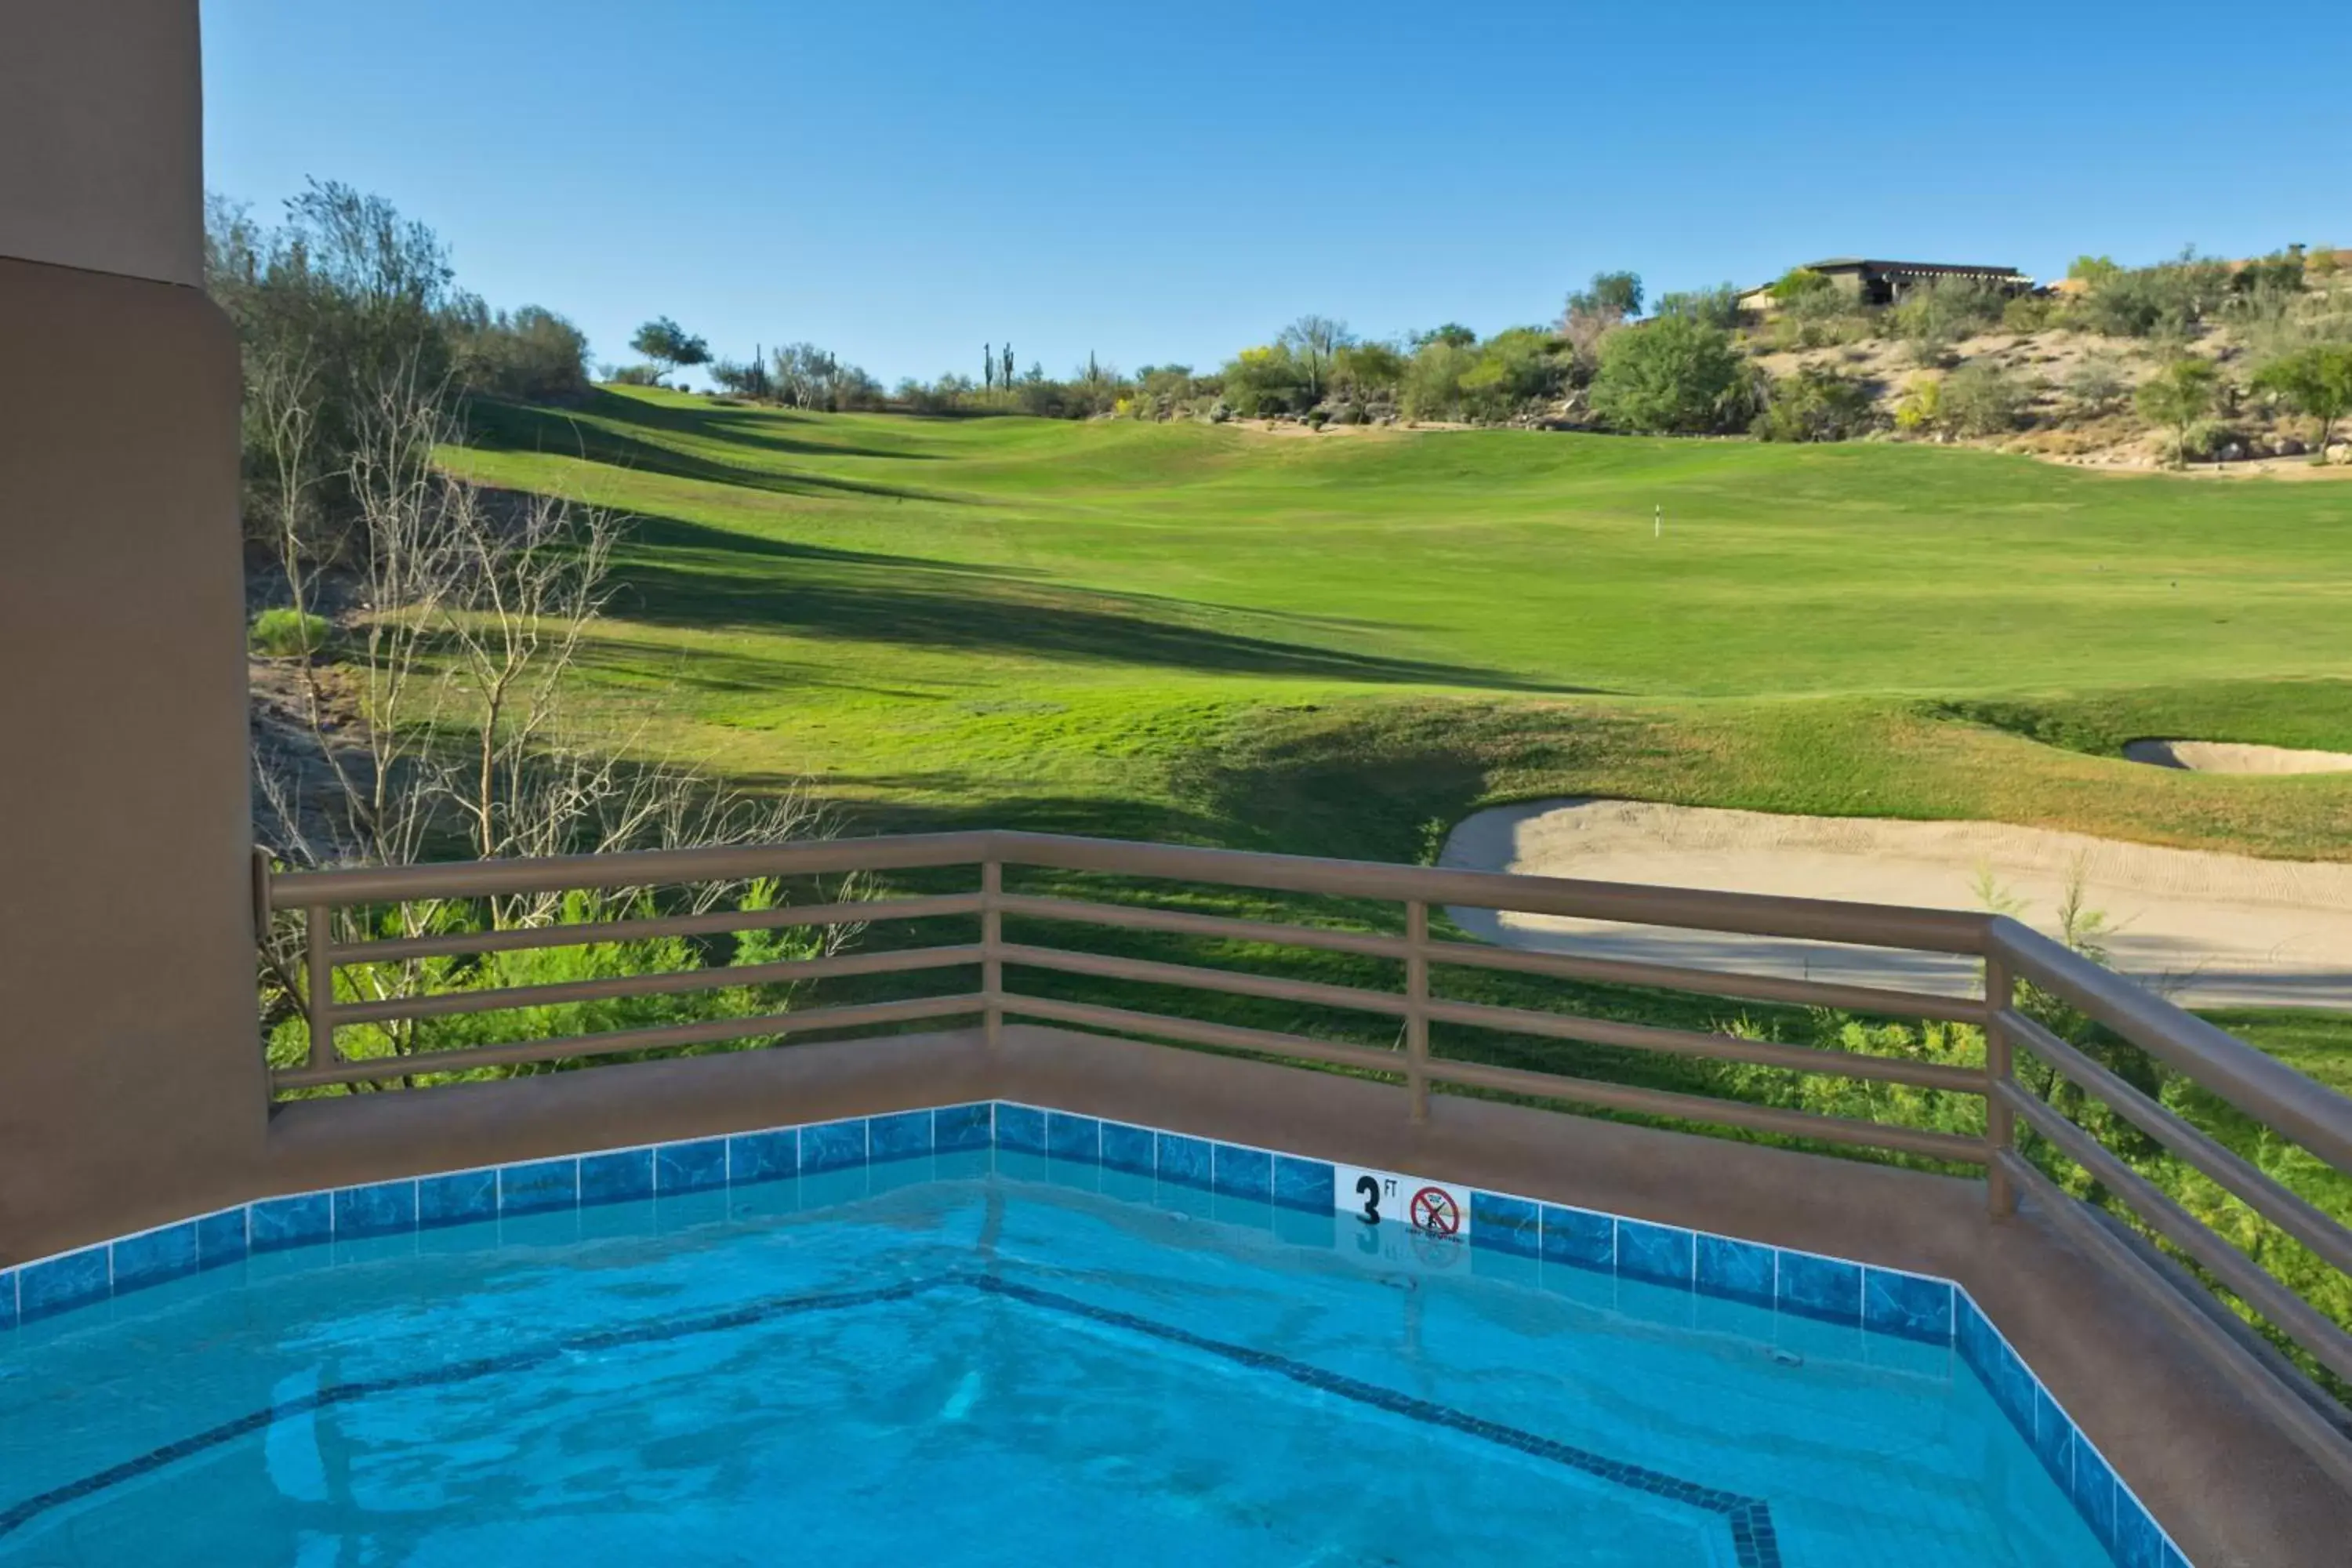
pixel 2013 957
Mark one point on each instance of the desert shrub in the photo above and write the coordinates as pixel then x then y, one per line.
pixel 1983 399
pixel 1265 381
pixel 288 633
pixel 633 374
pixel 1432 382
pixel 1513 370
pixel 1716 307
pixel 2166 301
pixel 1673 375
pixel 1816 404
pixel 2096 385
pixel 1922 405
pixel 1938 313
pixel 2029 313
pixel 2316 382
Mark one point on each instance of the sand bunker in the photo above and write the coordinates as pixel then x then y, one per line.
pixel 2229 757
pixel 2203 928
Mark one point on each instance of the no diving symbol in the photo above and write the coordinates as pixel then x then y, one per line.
pixel 1434 1211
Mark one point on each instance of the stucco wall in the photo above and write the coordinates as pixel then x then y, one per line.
pixel 101 136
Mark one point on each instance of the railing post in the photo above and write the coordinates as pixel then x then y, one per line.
pixel 992 950
pixel 1416 1005
pixel 319 1006
pixel 2000 1122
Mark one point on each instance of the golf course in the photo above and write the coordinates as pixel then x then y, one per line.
pixel 1326 643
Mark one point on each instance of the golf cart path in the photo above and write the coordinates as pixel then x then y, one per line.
pixel 2201 927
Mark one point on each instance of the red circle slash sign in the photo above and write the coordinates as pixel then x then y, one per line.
pixel 1434 1211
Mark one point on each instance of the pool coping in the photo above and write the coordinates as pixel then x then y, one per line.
pixel 1786 1281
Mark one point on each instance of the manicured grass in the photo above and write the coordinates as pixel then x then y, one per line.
pixel 1224 635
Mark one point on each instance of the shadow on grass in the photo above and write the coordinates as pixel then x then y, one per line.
pixel 695 577
pixel 522 428
pixel 913 605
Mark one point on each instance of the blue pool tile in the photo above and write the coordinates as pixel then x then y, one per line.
pixel 379 1208
pixel 157 1256
pixel 1973 1336
pixel 2172 1557
pixel 1908 1305
pixel 2013 1389
pixel 2053 1439
pixel 1737 1270
pixel 1184 1161
pixel 957 1128
pixel 280 1222
pixel 754 1157
pixel 1662 1254
pixel 1829 1288
pixel 1071 1137
pixel 61 1284
pixel 2094 1493
pixel 833 1145
pixel 900 1136
pixel 460 1198
pixel 220 1238
pixel 1243 1172
pixel 1021 1128
pixel 1301 1184
pixel 699 1166
pixel 1129 1149
pixel 2138 1542
pixel 1578 1236
pixel 1506 1224
pixel 539 1186
pixel 619 1176
pixel 7 1299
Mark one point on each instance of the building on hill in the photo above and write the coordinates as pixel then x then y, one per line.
pixel 1886 282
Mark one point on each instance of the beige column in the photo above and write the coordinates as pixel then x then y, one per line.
pixel 130 1086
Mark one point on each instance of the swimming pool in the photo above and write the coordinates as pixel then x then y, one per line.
pixel 992 1335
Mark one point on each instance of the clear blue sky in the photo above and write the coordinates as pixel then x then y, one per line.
pixel 903 181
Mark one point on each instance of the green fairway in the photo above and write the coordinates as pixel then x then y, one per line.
pixel 1326 641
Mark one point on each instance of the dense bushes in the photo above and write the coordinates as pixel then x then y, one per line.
pixel 1676 375
pixel 1816 404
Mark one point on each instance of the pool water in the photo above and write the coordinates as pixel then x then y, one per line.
pixel 985 1358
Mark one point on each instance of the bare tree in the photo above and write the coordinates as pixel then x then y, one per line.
pixel 446 725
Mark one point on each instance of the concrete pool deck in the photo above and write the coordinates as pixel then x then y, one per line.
pixel 2199 928
pixel 2219 1476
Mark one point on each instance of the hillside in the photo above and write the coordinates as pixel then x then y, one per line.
pixel 1208 633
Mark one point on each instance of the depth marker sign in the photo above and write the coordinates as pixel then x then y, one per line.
pixel 1373 1197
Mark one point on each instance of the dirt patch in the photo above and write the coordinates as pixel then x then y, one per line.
pixel 2218 930
pixel 2230 757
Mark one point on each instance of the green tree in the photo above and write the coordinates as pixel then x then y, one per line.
pixel 1265 381
pixel 1453 334
pixel 1672 376
pixel 2178 396
pixel 1616 295
pixel 2316 382
pixel 667 345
